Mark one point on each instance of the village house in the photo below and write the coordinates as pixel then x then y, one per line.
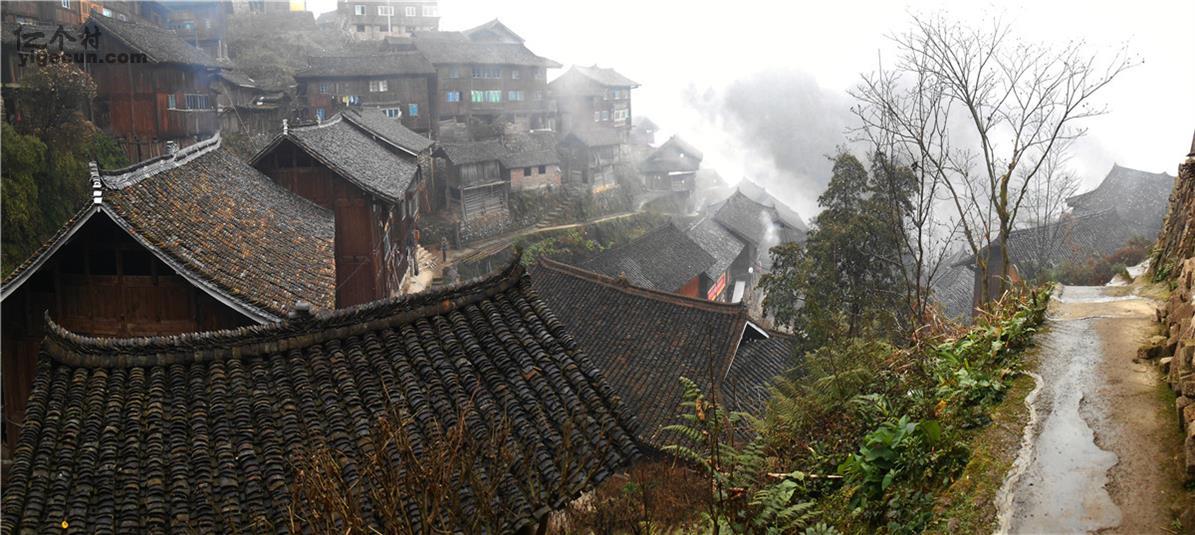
pixel 400 84
pixel 593 96
pixel 365 168
pixel 246 108
pixel 645 340
pixel 664 259
pixel 592 154
pixel 374 20
pixel 725 249
pixel 487 75
pixel 1139 198
pixel 200 23
pixel 194 240
pixel 672 168
pixel 479 176
pixel 643 131
pixel 206 432
pixel 165 93
pixel 760 222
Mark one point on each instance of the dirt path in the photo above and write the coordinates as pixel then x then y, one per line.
pixel 1102 449
pixel 489 246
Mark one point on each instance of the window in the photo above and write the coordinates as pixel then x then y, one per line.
pixel 378 86
pixel 413 109
pixel 514 74
pixel 543 169
pixel 385 11
pixel 198 102
pixel 107 12
pixel 319 114
pixel 597 116
pixel 539 74
pixel 409 11
pixel 171 102
pixel 480 71
pixel 66 4
pixel 606 95
pixel 454 73
pixel 477 96
pixel 358 10
pixel 526 171
pixel 493 96
pixel 605 115
pixel 393 113
pixel 431 11
pixel 323 88
pixel 514 96
pixel 452 96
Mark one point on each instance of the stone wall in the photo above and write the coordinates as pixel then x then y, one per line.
pixel 1174 262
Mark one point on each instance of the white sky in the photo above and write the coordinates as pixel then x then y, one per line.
pixel 666 45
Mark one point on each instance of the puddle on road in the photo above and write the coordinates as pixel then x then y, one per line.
pixel 1063 488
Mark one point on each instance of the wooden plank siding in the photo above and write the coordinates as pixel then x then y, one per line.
pixel 101 283
pixel 369 243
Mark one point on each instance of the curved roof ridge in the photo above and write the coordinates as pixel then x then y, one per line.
pixel 86 351
pixel 133 174
pixel 647 293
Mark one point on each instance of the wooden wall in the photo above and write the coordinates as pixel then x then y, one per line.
pixel 101 283
pixel 371 235
pixel 400 92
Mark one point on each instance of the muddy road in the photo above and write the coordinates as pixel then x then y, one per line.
pixel 1100 452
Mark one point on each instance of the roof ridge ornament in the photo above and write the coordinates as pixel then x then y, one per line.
pixel 97 185
pixel 285 127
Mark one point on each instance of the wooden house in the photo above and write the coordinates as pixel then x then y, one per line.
pixel 364 167
pixel 378 19
pixel 487 75
pixel 593 96
pixel 760 222
pixel 643 339
pixel 643 132
pixel 245 107
pixel 200 432
pixel 672 167
pixel 591 155
pixel 664 259
pixel 162 92
pixel 200 23
pixel 195 240
pixel 481 174
pixel 401 84
pixel 1139 197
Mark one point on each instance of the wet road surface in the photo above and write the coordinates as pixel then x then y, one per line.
pixel 1084 467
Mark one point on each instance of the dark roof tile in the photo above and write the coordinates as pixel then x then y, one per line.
pixel 393 64
pixel 160 45
pixel 664 259
pixel 203 431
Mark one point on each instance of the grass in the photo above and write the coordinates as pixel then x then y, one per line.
pixel 969 504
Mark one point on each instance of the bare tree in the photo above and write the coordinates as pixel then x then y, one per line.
pixel 1045 207
pixel 982 111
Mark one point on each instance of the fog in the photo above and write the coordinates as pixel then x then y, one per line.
pixel 760 87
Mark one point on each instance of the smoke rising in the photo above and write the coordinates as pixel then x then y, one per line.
pixel 786 124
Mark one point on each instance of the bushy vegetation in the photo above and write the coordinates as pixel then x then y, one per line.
pixel 864 438
pixel 45 151
pixel 1098 271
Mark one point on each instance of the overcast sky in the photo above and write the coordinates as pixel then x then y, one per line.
pixel 699 63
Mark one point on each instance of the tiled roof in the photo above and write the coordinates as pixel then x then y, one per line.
pixel 392 130
pixel 1139 197
pixel 519 150
pixel 445 50
pixel 355 155
pixel 717 241
pixel 160 45
pixel 1072 239
pixel 236 77
pixel 757 362
pixel 392 64
pixel 494 26
pixel 605 76
pixel 750 221
pixel 675 154
pixel 222 225
pixel 954 289
pixel 595 136
pixel 201 432
pixel 643 341
pixel 664 259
